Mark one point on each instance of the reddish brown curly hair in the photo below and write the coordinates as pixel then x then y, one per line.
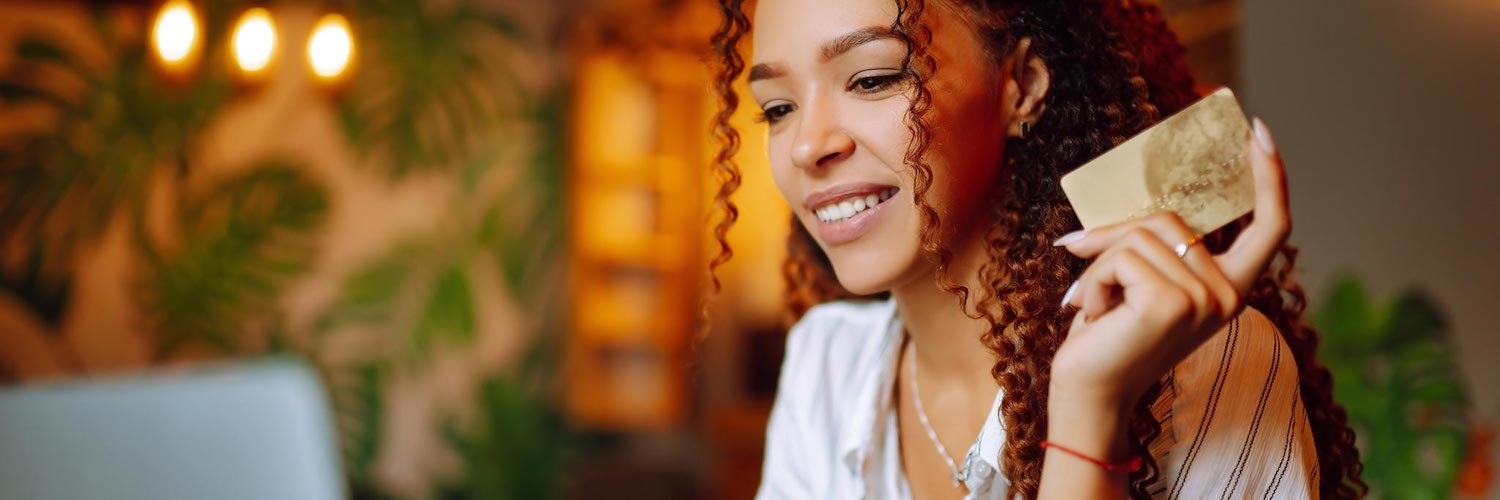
pixel 1116 68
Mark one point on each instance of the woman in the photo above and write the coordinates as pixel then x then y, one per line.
pixel 956 335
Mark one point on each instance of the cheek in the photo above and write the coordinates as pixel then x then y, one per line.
pixel 783 172
pixel 967 153
pixel 879 128
pixel 968 156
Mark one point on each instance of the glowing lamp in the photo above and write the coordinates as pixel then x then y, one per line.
pixel 330 51
pixel 254 41
pixel 175 35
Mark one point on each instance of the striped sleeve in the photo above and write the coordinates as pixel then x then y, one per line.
pixel 1237 422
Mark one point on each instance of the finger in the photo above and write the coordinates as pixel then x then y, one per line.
pixel 1177 270
pixel 1190 275
pixel 1204 281
pixel 1104 287
pixel 1253 250
pixel 1089 243
pixel 1166 226
pixel 1226 296
pixel 1096 298
pixel 1094 241
pixel 1196 273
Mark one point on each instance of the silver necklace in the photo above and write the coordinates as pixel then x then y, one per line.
pixel 916 397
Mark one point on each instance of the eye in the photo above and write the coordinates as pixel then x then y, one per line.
pixel 775 113
pixel 875 83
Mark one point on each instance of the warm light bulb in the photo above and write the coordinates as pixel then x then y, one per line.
pixel 175 32
pixel 254 40
pixel 331 47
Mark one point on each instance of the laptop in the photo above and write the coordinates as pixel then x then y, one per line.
pixel 258 430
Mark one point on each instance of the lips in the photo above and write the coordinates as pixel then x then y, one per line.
pixel 845 212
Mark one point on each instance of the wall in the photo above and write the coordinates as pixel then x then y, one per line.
pixel 1387 115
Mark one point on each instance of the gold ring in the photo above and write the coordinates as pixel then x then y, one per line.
pixel 1182 248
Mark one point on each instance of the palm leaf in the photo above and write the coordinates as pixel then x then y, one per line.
pixel 1397 377
pixel 448 315
pixel 63 185
pixel 244 240
pixel 514 449
pixel 436 86
pixel 358 398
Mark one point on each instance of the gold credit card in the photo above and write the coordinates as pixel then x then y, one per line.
pixel 1195 163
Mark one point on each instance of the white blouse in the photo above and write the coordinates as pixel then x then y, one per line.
pixel 1234 428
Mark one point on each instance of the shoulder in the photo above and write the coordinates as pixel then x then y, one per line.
pixel 848 324
pixel 837 344
pixel 1247 351
pixel 1236 425
pixel 834 359
pixel 832 356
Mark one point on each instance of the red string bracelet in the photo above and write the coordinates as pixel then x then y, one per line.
pixel 1131 466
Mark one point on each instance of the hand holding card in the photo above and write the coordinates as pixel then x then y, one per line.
pixel 1144 306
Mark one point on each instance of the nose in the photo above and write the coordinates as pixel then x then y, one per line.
pixel 821 139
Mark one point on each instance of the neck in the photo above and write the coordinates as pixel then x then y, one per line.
pixel 949 348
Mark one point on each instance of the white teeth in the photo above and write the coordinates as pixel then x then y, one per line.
pixel 840 211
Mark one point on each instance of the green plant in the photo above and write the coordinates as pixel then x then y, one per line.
pixel 511 450
pixel 62 184
pixel 438 82
pixel 437 94
pixel 242 241
pixel 120 133
pixel 358 397
pixel 440 95
pixel 420 296
pixel 1397 375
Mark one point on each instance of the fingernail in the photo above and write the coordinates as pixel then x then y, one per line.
pixel 1069 294
pixel 1263 135
pixel 1070 238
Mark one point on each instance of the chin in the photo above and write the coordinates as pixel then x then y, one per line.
pixel 875 265
pixel 864 284
pixel 874 251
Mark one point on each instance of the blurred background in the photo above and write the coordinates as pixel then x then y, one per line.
pixel 484 223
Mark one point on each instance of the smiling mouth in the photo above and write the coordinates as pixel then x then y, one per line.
pixel 845 208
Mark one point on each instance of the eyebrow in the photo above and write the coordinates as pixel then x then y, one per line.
pixel 765 71
pixel 830 49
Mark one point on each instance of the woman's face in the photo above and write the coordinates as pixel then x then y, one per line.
pixel 827 75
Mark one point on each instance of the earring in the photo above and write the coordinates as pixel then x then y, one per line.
pixel 1025 128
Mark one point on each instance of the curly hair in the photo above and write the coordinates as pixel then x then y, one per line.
pixel 1116 69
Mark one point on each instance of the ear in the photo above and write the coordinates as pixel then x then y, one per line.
pixel 1026 87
